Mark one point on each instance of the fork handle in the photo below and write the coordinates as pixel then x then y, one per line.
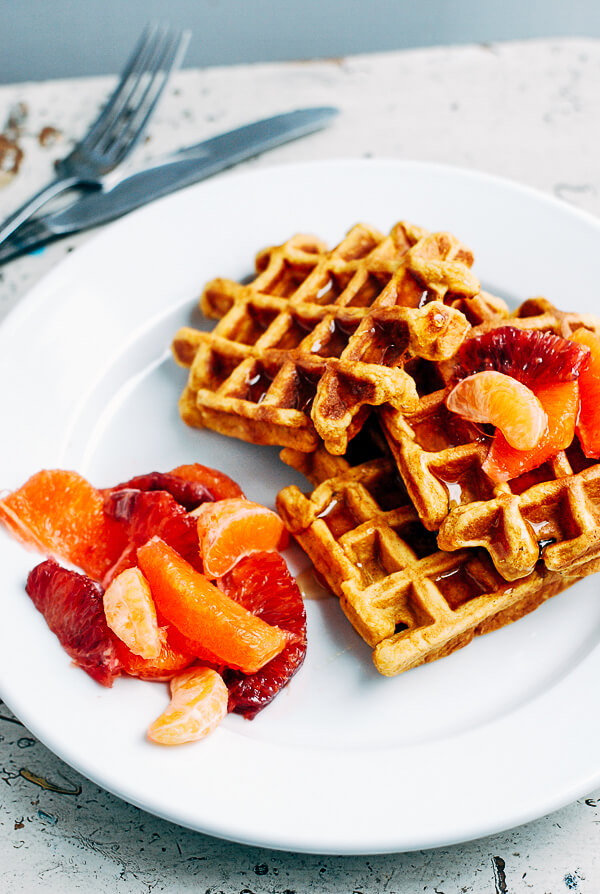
pixel 52 189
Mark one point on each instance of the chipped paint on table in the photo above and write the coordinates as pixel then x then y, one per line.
pixel 526 111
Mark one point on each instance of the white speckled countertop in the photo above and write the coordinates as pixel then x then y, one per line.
pixel 527 111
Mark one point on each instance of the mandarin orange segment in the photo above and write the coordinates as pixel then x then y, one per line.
pixel 588 423
pixel 231 529
pixel 60 514
pixel 560 403
pixel 502 401
pixel 198 705
pixel 130 613
pixel 200 611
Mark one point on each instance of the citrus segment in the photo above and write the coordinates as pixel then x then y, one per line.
pixel 504 402
pixel 198 704
pixel 60 514
pixel 560 403
pixel 220 485
pixel 533 357
pixel 145 514
pixel 263 584
pixel 231 529
pixel 189 494
pixel 202 612
pixel 71 604
pixel 588 423
pixel 169 662
pixel 131 615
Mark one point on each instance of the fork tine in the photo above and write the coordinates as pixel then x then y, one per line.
pixel 135 120
pixel 140 63
pixel 136 62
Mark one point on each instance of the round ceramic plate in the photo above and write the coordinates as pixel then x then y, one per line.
pixel 344 761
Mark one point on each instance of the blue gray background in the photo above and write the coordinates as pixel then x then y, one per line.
pixel 42 39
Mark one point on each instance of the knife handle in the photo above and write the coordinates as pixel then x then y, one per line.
pixel 28 236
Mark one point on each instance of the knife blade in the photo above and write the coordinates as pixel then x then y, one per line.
pixel 187 166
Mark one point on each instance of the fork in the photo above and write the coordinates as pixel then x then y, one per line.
pixel 120 124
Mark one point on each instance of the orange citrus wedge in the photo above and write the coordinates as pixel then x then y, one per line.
pixel 200 611
pixel 60 514
pixel 198 704
pixel 231 529
pixel 560 403
pixel 131 615
pixel 588 423
pixel 502 401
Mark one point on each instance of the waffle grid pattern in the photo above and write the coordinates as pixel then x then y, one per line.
pixel 408 600
pixel 557 514
pixel 302 352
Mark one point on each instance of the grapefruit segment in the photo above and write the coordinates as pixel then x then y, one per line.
pixel 502 401
pixel 131 615
pixel 200 611
pixel 234 528
pixel 588 423
pixel 198 704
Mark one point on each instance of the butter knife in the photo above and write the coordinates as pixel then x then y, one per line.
pixel 166 175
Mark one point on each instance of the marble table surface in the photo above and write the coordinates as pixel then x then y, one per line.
pixel 527 111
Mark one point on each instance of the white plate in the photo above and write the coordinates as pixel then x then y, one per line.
pixel 344 761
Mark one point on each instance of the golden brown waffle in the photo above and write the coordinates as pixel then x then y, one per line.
pixel 409 600
pixel 553 512
pixel 303 351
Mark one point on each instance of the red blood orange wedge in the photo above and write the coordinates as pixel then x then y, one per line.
pixel 71 603
pixel 534 358
pixel 60 514
pixel 198 609
pixel 502 401
pixel 189 494
pixel 198 704
pixel 220 485
pixel 231 529
pixel 588 423
pixel 130 613
pixel 263 584
pixel 547 364
pixel 143 515
pixel 560 403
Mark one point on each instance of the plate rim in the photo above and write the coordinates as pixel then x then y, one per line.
pixel 39 293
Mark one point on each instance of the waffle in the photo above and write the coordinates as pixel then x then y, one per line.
pixel 411 602
pixel 553 512
pixel 302 353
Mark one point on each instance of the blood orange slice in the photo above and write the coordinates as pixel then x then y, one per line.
pixel 60 514
pixel 71 603
pixel 146 514
pixel 263 584
pixel 220 485
pixel 588 423
pixel 502 401
pixel 198 704
pixel 198 609
pixel 231 529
